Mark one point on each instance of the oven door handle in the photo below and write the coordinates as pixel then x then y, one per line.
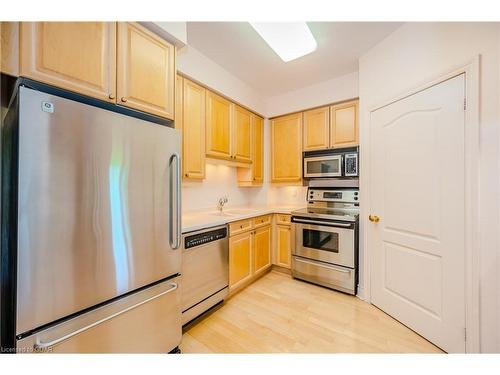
pixel 321 265
pixel 305 221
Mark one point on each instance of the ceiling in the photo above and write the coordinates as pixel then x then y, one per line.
pixel 238 48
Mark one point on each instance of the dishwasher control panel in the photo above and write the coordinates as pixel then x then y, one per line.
pixel 204 238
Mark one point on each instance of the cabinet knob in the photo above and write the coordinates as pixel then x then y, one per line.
pixel 123 99
pixel 241 226
pixel 111 96
pixel 187 175
pixel 374 218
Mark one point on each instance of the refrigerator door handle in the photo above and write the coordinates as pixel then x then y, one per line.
pixel 175 185
pixel 45 345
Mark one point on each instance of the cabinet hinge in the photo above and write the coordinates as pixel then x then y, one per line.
pixel 465 334
pixel 465 104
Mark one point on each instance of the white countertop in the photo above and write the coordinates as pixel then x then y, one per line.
pixel 196 220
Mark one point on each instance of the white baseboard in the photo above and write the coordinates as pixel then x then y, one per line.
pixel 362 295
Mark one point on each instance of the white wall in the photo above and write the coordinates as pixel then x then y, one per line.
pixel 330 91
pixel 221 180
pixel 199 67
pixel 418 53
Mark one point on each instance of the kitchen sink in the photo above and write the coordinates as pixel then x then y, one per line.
pixel 227 214
pixel 233 212
pixel 241 211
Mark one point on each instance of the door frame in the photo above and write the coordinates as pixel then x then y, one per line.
pixel 472 221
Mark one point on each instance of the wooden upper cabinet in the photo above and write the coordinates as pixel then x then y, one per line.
pixel 258 150
pixel 254 175
pixel 218 124
pixel 316 129
pixel 286 148
pixel 146 71
pixel 344 131
pixel 9 48
pixel 77 56
pixel 179 90
pixel 193 130
pixel 242 135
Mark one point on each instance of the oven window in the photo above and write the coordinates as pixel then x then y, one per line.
pixel 320 240
pixel 323 166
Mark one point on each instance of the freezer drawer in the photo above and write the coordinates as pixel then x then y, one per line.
pixel 148 321
pixel 329 275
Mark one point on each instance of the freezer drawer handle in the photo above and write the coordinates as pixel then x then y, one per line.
pixel 44 345
pixel 175 240
pixel 321 265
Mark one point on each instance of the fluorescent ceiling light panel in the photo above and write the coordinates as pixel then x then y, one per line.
pixel 290 40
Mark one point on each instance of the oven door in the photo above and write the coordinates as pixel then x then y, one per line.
pixel 323 166
pixel 326 242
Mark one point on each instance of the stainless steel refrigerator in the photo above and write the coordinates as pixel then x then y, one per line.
pixel 96 236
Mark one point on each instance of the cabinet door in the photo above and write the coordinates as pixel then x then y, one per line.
pixel 316 129
pixel 254 175
pixel 262 249
pixel 344 125
pixel 258 150
pixel 240 258
pixel 146 71
pixel 179 90
pixel 286 148
pixel 9 48
pixel 242 135
pixel 193 130
pixel 283 240
pixel 218 126
pixel 76 56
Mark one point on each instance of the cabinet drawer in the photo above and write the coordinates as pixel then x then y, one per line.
pixel 283 219
pixel 240 226
pixel 261 221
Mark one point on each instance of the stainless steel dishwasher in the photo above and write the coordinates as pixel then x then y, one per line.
pixel 205 270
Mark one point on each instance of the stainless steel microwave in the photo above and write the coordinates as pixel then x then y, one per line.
pixel 331 163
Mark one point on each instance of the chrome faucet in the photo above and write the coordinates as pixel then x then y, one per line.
pixel 222 202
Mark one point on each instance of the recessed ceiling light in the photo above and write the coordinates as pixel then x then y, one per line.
pixel 290 40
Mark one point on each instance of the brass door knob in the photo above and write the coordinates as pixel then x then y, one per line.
pixel 374 218
pixel 124 99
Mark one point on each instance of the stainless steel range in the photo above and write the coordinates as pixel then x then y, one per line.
pixel 326 238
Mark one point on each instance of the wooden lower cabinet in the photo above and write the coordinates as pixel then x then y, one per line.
pixel 249 250
pixel 283 245
pixel 240 258
pixel 262 249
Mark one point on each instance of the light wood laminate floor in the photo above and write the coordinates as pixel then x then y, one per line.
pixel 279 314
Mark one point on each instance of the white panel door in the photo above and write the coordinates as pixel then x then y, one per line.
pixel 417 190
